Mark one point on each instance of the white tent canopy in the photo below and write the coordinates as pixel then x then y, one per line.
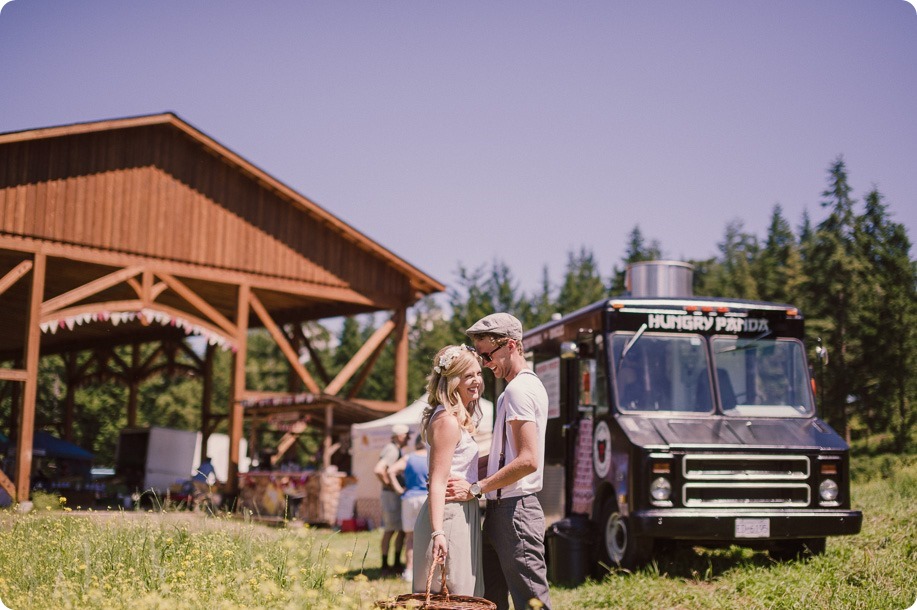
pixel 368 439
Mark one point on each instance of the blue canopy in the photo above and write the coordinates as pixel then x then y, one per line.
pixel 48 445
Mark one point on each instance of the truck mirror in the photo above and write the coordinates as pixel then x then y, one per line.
pixel 568 349
pixel 585 342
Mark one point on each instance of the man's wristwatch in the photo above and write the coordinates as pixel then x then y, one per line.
pixel 476 490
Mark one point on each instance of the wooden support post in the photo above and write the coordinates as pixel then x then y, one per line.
pixel 70 364
pixel 401 357
pixel 238 385
pixel 206 399
pixel 32 352
pixel 329 431
pixel 133 386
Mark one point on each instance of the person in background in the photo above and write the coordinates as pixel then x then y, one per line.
pixel 341 457
pixel 453 390
pixel 391 499
pixel 205 473
pixel 513 549
pixel 415 469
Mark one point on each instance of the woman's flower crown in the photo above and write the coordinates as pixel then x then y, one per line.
pixel 445 361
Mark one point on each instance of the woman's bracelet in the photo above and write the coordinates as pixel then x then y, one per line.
pixel 437 533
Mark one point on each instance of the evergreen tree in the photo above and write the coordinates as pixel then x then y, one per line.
pixel 543 305
pixel 834 270
pixel 582 283
pixel 778 268
pixel 637 251
pixel 429 331
pixel 733 274
pixel 887 315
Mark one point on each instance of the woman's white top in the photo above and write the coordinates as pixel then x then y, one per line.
pixel 465 458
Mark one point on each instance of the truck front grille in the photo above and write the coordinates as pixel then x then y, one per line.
pixel 745 495
pixel 746 481
pixel 711 467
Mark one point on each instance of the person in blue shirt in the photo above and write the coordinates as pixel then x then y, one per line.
pixel 415 470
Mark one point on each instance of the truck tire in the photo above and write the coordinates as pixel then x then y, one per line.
pixel 619 546
pixel 803 548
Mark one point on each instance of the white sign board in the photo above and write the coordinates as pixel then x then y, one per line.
pixel 549 373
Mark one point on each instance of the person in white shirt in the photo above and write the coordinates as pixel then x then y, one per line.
pixel 514 525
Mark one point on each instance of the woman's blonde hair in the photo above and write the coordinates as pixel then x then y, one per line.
pixel 449 366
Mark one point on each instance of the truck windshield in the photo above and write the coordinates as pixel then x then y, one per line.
pixel 763 378
pixel 661 373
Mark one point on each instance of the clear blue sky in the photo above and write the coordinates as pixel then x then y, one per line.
pixel 466 132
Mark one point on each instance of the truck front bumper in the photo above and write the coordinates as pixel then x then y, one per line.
pixel 688 524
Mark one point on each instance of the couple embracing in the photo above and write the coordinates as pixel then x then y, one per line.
pixel 506 557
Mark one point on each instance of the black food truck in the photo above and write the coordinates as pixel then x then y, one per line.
pixel 690 419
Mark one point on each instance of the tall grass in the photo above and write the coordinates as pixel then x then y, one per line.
pixel 58 559
pixel 175 560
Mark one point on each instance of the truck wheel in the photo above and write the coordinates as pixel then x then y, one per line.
pixel 620 547
pixel 788 550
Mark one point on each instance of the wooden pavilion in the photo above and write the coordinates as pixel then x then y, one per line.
pixel 145 230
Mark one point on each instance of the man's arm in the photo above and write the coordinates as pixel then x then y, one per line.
pixel 381 468
pixel 525 435
pixel 394 470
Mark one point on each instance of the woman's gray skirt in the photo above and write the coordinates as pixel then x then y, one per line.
pixel 464 572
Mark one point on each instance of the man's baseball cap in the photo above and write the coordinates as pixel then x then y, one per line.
pixel 400 429
pixel 502 324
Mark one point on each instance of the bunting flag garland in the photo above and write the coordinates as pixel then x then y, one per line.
pixel 144 316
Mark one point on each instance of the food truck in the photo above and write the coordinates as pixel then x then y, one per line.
pixel 690 419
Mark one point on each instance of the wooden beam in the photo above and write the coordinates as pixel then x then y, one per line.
pixel 13 375
pixel 360 357
pixel 203 306
pixel 281 340
pixel 92 308
pixel 288 440
pixel 313 354
pixel 14 275
pixel 86 290
pixel 32 352
pixel 318 292
pixel 365 372
pixel 6 484
pixel 380 405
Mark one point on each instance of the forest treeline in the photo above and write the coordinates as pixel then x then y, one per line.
pixel 849 271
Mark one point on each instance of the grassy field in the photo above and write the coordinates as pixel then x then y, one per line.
pixel 53 558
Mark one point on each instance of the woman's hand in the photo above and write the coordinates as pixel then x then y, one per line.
pixel 440 547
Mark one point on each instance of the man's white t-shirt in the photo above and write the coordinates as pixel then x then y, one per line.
pixel 524 399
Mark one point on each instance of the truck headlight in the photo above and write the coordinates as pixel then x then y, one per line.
pixel 828 490
pixel 661 489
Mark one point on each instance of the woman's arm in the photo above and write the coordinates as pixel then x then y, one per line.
pixel 444 435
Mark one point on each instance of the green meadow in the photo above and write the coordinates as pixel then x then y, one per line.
pixel 54 557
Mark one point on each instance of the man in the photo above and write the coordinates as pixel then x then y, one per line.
pixel 391 499
pixel 513 538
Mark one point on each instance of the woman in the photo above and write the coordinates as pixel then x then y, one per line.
pixel 451 531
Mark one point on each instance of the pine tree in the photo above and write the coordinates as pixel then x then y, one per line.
pixel 885 323
pixel 778 268
pixel 582 283
pixel 834 270
pixel 733 274
pixel 637 251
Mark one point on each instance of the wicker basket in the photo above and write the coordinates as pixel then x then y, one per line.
pixel 436 601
